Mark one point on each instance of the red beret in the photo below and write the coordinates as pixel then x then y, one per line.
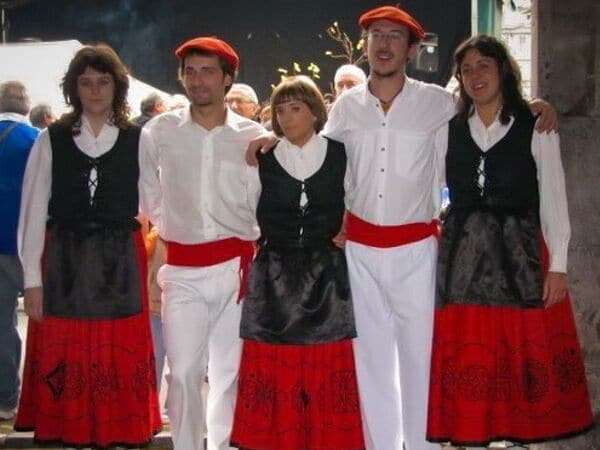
pixel 393 14
pixel 210 44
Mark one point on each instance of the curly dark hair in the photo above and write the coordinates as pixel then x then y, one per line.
pixel 104 59
pixel 510 76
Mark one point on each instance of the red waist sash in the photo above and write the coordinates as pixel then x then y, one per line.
pixel 385 236
pixel 211 253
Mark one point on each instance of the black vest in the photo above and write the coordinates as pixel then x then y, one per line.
pixel 510 170
pixel 116 196
pixel 281 219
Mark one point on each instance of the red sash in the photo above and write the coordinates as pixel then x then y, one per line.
pixel 385 236
pixel 211 253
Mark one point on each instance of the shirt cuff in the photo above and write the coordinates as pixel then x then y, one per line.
pixel 32 279
pixel 558 258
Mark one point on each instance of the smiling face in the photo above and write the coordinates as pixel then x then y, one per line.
pixel 296 121
pixel 96 91
pixel 387 48
pixel 480 77
pixel 204 80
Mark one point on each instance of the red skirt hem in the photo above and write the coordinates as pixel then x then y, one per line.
pixel 503 373
pixel 297 396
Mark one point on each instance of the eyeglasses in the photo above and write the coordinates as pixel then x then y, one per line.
pixel 394 35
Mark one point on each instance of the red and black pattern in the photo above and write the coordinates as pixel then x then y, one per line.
pixel 91 382
pixel 294 397
pixel 506 373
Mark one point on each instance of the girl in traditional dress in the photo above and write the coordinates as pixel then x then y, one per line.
pixel 506 361
pixel 297 388
pixel 89 375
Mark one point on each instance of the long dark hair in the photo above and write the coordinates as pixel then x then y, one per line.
pixel 510 76
pixel 103 59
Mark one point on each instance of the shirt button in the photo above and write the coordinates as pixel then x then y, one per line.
pixel 380 196
pixel 383 124
pixel 383 149
pixel 382 170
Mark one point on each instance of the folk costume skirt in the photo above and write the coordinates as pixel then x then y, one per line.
pixel 503 371
pixel 297 387
pixel 91 382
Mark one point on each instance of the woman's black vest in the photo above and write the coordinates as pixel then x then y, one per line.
pixel 283 222
pixel 510 170
pixel 115 199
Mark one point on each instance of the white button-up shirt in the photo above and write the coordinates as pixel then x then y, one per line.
pixel 37 186
pixel 554 215
pixel 393 158
pixel 194 183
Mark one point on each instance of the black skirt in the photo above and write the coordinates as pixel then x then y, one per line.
pixel 490 256
pixel 298 296
pixel 91 272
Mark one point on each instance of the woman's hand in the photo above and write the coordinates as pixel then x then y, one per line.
pixel 34 303
pixel 263 143
pixel 555 288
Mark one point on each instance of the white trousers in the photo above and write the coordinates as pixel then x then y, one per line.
pixel 201 319
pixel 393 292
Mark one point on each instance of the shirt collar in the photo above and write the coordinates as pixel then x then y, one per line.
pixel 369 96
pixel 314 141
pixel 232 120
pixel 13 117
pixel 475 120
pixel 85 124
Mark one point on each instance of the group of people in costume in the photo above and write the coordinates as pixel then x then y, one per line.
pixel 312 290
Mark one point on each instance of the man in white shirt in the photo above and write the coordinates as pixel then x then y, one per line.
pixel 196 187
pixel 395 132
pixel 392 195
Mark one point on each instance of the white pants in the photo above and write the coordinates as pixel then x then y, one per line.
pixel 201 319
pixel 393 291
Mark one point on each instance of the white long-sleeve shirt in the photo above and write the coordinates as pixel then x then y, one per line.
pixel 37 185
pixel 393 157
pixel 554 215
pixel 194 183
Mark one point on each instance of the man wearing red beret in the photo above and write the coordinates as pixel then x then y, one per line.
pixel 197 189
pixel 395 132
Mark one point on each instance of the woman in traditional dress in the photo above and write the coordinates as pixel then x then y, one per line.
pixel 297 388
pixel 506 361
pixel 89 377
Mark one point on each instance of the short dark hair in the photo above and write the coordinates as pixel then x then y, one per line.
pixel 510 76
pixel 303 89
pixel 14 98
pixel 103 59
pixel 226 67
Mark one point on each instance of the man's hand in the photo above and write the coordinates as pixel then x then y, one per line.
pixel 263 143
pixel 555 288
pixel 34 303
pixel 339 240
pixel 548 116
